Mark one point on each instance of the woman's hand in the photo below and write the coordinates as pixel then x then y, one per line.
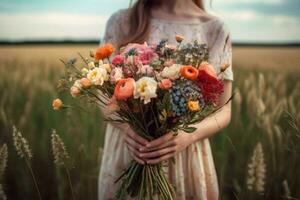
pixel 165 147
pixel 134 143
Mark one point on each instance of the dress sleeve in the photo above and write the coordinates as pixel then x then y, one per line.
pixel 221 50
pixel 114 28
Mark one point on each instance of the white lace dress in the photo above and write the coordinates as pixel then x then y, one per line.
pixel 193 172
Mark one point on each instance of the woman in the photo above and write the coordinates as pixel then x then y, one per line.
pixel 193 172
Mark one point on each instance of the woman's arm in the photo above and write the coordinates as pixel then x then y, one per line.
pixel 168 145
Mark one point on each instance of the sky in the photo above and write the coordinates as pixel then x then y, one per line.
pixel 248 20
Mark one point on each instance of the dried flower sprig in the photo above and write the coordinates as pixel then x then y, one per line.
pixel 21 144
pixel 3 159
pixel 257 170
pixel 24 151
pixel 61 157
pixel 3 165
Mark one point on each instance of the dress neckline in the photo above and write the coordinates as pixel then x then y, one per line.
pixel 169 21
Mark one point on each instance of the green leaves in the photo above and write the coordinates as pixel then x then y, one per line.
pixel 188 129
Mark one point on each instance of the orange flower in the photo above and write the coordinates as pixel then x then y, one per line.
pixel 207 70
pixel 124 88
pixel 224 67
pixel 179 38
pixel 193 105
pixel 57 104
pixel 104 51
pixel 189 72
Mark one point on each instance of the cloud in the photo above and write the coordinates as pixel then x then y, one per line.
pixel 250 1
pixel 250 25
pixel 51 25
pixel 240 16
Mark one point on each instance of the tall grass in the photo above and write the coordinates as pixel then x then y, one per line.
pixel 256 156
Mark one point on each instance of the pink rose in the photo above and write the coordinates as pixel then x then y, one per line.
pixel 75 91
pixel 133 60
pixel 145 69
pixel 144 52
pixel 117 60
pixel 116 74
pixel 165 84
pixel 147 55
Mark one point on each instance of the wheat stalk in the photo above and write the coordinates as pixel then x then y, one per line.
pixel 61 156
pixel 256 170
pixel 3 164
pixel 24 151
pixel 21 145
pixel 3 159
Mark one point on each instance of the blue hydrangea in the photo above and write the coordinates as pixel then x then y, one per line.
pixel 182 91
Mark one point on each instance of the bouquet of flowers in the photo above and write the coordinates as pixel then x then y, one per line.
pixel 156 89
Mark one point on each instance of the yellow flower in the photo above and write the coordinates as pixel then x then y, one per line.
pixel 193 105
pixel 57 104
pixel 179 38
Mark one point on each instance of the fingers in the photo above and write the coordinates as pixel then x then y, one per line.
pixel 170 143
pixel 134 153
pixel 158 153
pixel 133 147
pixel 131 142
pixel 160 159
pixel 160 141
pixel 137 138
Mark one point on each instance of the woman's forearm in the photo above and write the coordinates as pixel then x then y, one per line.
pixel 213 123
pixel 217 121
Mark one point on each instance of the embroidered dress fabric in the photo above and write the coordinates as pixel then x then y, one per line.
pixel 193 172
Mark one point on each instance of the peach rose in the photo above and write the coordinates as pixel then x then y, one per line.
pixel 124 88
pixel 165 84
pixel 85 83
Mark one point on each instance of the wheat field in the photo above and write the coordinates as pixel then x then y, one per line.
pixel 256 157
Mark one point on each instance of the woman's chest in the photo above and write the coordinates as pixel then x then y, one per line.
pixel 190 32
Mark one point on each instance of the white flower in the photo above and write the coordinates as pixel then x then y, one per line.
pixel 106 66
pixel 145 88
pixel 98 75
pixel 91 65
pixel 77 84
pixel 172 72
pixel 84 71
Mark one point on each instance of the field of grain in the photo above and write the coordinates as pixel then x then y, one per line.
pixel 257 156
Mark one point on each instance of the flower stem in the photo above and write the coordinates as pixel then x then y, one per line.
pixel 33 177
pixel 70 183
